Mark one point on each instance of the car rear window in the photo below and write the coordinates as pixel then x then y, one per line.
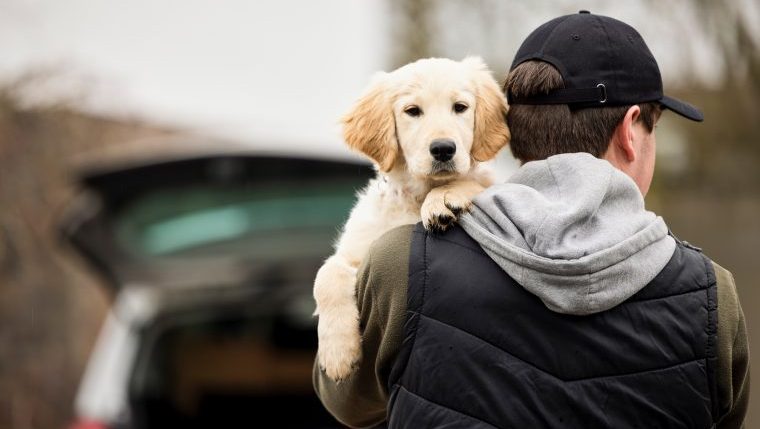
pixel 272 219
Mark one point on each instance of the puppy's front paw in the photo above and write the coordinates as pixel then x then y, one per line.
pixel 436 216
pixel 459 202
pixel 339 343
pixel 442 207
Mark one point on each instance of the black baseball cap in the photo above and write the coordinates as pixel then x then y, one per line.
pixel 603 62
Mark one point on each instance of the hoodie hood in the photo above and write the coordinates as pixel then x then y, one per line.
pixel 572 230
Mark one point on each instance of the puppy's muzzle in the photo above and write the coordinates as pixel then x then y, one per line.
pixel 443 150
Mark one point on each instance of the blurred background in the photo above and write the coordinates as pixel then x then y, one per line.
pixel 102 104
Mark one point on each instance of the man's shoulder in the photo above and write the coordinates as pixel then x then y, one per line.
pixel 723 278
pixel 722 275
pixel 733 351
pixel 392 248
pixel 728 297
pixel 386 266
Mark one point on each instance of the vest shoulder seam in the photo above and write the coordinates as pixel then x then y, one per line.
pixel 711 355
pixel 410 313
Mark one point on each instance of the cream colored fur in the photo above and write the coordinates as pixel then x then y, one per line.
pixel 407 187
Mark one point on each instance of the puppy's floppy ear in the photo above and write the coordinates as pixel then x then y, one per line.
pixel 491 132
pixel 370 126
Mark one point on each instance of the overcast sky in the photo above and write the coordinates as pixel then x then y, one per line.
pixel 274 71
pixel 277 71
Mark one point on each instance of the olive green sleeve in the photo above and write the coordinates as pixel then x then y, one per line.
pixel 733 353
pixel 381 283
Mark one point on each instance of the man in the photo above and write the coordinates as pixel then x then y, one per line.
pixel 560 301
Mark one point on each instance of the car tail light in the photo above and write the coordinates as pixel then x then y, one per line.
pixel 88 424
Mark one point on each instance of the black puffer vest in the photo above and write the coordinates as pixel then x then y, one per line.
pixel 481 352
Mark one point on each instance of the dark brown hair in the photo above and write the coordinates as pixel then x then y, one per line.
pixel 540 131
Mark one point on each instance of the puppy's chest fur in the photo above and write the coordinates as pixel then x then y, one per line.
pixel 394 203
pixel 398 198
pixel 381 206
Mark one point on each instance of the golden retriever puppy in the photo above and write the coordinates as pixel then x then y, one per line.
pixel 426 126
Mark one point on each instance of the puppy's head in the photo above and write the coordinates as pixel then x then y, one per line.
pixel 434 115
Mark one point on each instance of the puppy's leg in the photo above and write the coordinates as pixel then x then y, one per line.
pixel 443 204
pixel 335 285
pixel 338 327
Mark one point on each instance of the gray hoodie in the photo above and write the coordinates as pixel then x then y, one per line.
pixel 572 230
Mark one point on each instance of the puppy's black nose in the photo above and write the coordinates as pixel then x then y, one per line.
pixel 443 149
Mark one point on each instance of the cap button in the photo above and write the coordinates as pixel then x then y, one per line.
pixel 583 11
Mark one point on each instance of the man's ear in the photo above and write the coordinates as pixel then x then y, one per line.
pixel 369 127
pixel 623 136
pixel 491 132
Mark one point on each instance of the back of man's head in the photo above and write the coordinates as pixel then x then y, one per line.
pixel 572 82
pixel 540 131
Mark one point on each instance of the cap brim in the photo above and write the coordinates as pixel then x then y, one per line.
pixel 684 109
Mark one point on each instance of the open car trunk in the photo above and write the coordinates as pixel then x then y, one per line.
pixel 232 243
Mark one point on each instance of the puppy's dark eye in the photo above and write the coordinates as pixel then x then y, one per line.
pixel 413 111
pixel 460 107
